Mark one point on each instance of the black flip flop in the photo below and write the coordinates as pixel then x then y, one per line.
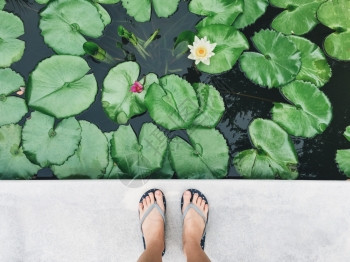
pixel 200 194
pixel 155 205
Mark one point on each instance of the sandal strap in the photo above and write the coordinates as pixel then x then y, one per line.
pixel 150 208
pixel 191 205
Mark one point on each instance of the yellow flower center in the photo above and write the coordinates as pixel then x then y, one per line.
pixel 201 51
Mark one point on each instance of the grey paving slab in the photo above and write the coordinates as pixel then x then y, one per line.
pixel 93 221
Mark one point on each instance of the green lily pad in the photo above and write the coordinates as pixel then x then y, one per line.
pixel 311 113
pixel 335 15
pixel 141 156
pixel 347 133
pixel 275 155
pixel 2 4
pixel 106 18
pixel 48 144
pixel 118 101
pixel 216 11
pixel 112 170
pixel 299 17
pixel 64 23
pixel 141 9
pixel 11 49
pixel 12 109
pixel 278 63
pixel 42 1
pixel 252 10
pixel 343 156
pixel 205 157
pixel 211 106
pixel 13 162
pixel 91 158
pixel 172 103
pixel 60 87
pixel 166 172
pixel 230 45
pixel 314 65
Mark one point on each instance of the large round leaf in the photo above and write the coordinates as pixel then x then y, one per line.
pixel 211 106
pixel 48 144
pixel 230 45
pixel 118 101
pixel 166 172
pixel 91 158
pixel 60 87
pixel 343 160
pixel 278 63
pixel 216 11
pixel 2 4
pixel 64 23
pixel 11 49
pixel 298 18
pixel 314 65
pixel 139 157
pixel 172 103
pixel 335 15
pixel 252 10
pixel 141 9
pixel 311 113
pixel 205 157
pixel 13 162
pixel 12 109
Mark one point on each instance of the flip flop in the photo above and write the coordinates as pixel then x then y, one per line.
pixel 150 208
pixel 191 205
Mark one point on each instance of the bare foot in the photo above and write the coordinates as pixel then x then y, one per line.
pixel 194 225
pixel 153 226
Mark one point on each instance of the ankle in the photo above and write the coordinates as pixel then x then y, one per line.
pixel 190 244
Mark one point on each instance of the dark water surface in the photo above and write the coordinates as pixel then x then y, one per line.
pixel 244 100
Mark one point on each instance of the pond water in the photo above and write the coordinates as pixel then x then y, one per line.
pixel 244 100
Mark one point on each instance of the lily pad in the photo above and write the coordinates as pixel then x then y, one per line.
pixel 335 15
pixel 141 9
pixel 2 4
pixel 274 155
pixel 12 109
pixel 42 1
pixel 91 158
pixel 64 23
pixel 252 10
pixel 11 49
pixel 60 87
pixel 211 106
pixel 311 113
pixel 48 144
pixel 216 11
pixel 141 156
pixel 205 157
pixel 230 45
pixel 278 62
pixel 314 65
pixel 172 103
pixel 166 172
pixel 13 162
pixel 299 17
pixel 343 156
pixel 118 100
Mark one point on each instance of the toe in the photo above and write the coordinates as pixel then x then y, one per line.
pixel 141 209
pixel 202 204
pixel 159 199
pixel 186 199
pixel 151 196
pixel 195 197
pixel 199 201
pixel 144 203
pixel 206 209
pixel 148 200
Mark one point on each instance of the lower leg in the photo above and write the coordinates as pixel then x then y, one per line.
pixel 194 252
pixel 152 253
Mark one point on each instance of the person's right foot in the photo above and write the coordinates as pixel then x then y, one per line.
pixel 193 224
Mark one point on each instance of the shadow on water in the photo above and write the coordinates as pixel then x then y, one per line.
pixel 244 100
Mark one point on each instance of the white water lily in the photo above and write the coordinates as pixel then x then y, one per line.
pixel 201 50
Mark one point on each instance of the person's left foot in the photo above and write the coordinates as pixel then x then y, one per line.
pixel 153 225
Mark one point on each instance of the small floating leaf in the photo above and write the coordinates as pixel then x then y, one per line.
pixel 118 100
pixel 13 162
pixel 311 114
pixel 314 65
pixel 64 23
pixel 299 17
pixel 141 156
pixel 172 103
pixel 335 15
pixel 60 87
pixel 47 144
pixel 11 49
pixel 12 109
pixel 278 63
pixel 141 9
pixel 343 156
pixel 230 45
pixel 205 157
pixel 252 10
pixel 91 158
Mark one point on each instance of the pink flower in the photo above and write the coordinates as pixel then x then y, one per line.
pixel 136 87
